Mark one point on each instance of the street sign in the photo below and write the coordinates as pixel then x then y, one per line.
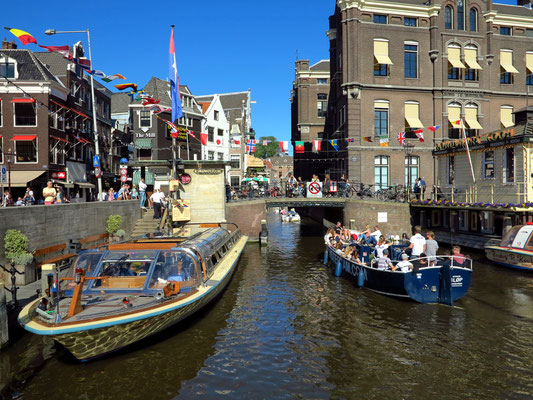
pixel 314 189
pixel 97 172
pixel 123 171
pixel 3 175
pixel 123 160
pixel 123 178
pixel 96 162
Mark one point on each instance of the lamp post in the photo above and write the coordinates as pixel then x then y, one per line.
pixel 408 147
pixel 93 100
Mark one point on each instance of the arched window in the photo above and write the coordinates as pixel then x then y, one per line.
pixel 460 15
pixel 448 17
pixel 381 172
pixel 473 20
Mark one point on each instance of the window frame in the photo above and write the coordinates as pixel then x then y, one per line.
pixel 410 52
pixel 322 81
pixel 509 172
pixel 473 14
pixel 15 115
pixel 322 105
pixel 450 170
pixel 1 114
pixel 145 115
pixel 460 15
pixel 210 134
pixel 486 163
pixel 382 127
pixel 216 115
pixel 377 18
pixel 381 167
pixel 410 19
pixel 7 61
pixel 508 30
pixel 448 17
pixel 411 167
pixel 36 147
pixel 1 149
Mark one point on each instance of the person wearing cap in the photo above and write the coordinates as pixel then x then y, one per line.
pixel 404 265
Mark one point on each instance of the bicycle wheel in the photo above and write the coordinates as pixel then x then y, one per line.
pixel 350 191
pixel 400 197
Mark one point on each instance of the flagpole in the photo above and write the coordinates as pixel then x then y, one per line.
pixel 174 142
pixel 188 157
pixel 468 151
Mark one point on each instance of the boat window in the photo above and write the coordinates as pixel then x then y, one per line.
pixel 124 270
pixel 87 262
pixel 530 243
pixel 509 237
pixel 175 266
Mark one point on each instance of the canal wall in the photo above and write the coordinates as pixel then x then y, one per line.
pixel 247 215
pixel 50 225
pixel 393 218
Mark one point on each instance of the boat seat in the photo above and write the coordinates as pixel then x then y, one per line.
pixel 123 282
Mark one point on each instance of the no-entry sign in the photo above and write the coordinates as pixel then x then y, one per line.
pixel 314 189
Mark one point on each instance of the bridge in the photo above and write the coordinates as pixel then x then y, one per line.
pixel 294 202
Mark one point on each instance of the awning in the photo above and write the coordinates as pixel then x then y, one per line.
pixel 381 104
pixel 23 100
pixel 506 116
pixel 529 62
pixel 471 59
pixel 60 105
pixel 84 185
pixel 61 139
pixel 454 57
pixel 143 143
pixel 21 178
pixel 471 118
pixel 506 61
pixel 27 138
pixel 381 52
pixel 454 114
pixel 411 115
pixel 80 113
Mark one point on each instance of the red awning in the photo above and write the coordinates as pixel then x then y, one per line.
pixel 61 139
pixel 60 105
pixel 23 100
pixel 82 140
pixel 80 113
pixel 27 138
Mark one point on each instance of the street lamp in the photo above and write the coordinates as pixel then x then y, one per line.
pixel 408 147
pixel 95 130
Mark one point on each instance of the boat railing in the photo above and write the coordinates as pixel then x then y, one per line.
pixel 434 261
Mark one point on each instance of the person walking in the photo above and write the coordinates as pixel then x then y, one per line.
pixel 134 193
pixel 142 192
pixel 49 193
pixel 157 199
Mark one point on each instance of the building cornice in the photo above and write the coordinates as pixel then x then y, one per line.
pixel 312 74
pixel 411 10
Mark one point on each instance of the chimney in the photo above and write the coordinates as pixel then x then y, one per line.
pixel 8 45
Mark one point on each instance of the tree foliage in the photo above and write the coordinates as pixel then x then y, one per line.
pixel 270 150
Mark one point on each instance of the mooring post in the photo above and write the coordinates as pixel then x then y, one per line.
pixel 4 332
pixel 46 271
pixel 263 235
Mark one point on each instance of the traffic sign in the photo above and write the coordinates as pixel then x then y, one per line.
pixel 123 178
pixel 97 172
pixel 314 189
pixel 96 162
pixel 123 171
pixel 3 175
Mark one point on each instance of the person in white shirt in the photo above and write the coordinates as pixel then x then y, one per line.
pixel 376 233
pixel 142 192
pixel 157 199
pixel 381 246
pixel 417 243
pixel 404 265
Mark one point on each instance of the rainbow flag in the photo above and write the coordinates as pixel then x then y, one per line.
pixel 123 86
pixel 23 36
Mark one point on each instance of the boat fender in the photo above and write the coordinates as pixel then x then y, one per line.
pixel 338 267
pixel 159 295
pixel 326 256
pixel 361 278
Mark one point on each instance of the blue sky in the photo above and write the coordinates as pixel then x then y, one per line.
pixel 220 46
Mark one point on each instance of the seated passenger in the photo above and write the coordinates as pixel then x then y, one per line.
pixel 384 262
pixel 381 245
pixel 354 256
pixel 457 257
pixel 404 265
pixel 125 270
pixel 180 276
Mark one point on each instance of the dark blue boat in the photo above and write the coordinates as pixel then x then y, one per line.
pixel 444 282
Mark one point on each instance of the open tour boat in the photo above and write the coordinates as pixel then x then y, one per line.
pixel 514 250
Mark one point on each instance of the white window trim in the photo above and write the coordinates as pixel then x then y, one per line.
pixel 2 150
pixel 24 126
pixel 504 177
pixel 484 163
pixel 9 61
pixel 36 152
pixel 140 112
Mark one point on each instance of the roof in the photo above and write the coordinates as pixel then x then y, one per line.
pixel 55 62
pixel 322 65
pixel 205 106
pixel 159 90
pixel 31 69
pixel 119 103
pixel 513 10
pixel 268 164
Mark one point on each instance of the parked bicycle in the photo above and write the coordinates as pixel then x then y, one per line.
pixel 364 191
pixel 393 193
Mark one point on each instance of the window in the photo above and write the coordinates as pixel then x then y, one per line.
pixel 412 116
pixel 220 156
pixel 381 172
pixel 454 63
pixel 505 30
pixel 210 134
pixel 381 57
pixel 507 68
pixel 235 181
pixel 7 68
pixel 488 164
pixel 145 119
pixel 473 20
pixel 26 149
pixel 454 114
pixel 210 155
pixel 471 73
pixel 235 161
pixel 220 132
pixel 322 81
pixel 529 69
pixel 322 105
pixel 460 15
pixel 25 114
pixel 411 170
pixel 381 119
pixel 450 167
pixel 448 17
pixel 1 149
pixel 380 19
pixel 216 115
pixel 411 60
pixel 1 112
pixel 509 165
pixel 410 21
pixel 341 116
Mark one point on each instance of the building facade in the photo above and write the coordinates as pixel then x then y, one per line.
pixel 216 126
pixel 401 67
pixel 309 106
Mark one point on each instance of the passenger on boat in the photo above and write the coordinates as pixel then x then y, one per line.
pixel 354 256
pixel 458 258
pixel 329 235
pixel 385 262
pixel 366 238
pixel 417 243
pixel 404 265
pixel 338 238
pixel 381 246
pixel 431 247
pixel 405 239
pixel 376 233
pixel 421 262
pixel 180 275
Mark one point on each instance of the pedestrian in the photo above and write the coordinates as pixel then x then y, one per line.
pixel 60 197
pixel 49 193
pixel 157 199
pixel 28 198
pixel 111 194
pixel 431 248
pixel 422 185
pixel 134 193
pixel 142 192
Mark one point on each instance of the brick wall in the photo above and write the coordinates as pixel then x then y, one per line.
pixel 366 212
pixel 247 215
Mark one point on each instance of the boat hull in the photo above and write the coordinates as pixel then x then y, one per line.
pixel 510 257
pixel 87 340
pixel 423 286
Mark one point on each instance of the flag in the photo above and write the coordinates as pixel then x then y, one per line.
pixel 266 142
pixel 434 128
pixel 158 109
pixel 419 134
pixel 334 144
pixel 284 146
pixel 250 147
pixel 96 72
pixel 175 95
pixel 122 86
pixel 367 139
pixel 173 128
pixel 333 186
pixel 110 78
pixel 401 138
pixel 150 100
pixel 203 136
pixel 317 144
pixel 191 134
pixel 384 142
pixel 350 140
pixel 84 62
pixel 237 141
pixel 299 147
pixel 57 49
pixel 458 122
pixel 23 36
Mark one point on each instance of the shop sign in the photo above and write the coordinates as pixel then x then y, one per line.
pixel 477 140
pixel 208 171
pixel 142 135
pixel 185 179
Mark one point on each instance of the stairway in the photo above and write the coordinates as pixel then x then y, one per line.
pixel 146 224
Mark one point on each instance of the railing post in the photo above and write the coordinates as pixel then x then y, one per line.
pixel 492 193
pixel 453 190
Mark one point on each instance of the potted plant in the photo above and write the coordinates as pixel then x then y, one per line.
pixel 113 225
pixel 16 250
pixel 120 234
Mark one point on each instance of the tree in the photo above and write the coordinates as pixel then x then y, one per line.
pixel 270 150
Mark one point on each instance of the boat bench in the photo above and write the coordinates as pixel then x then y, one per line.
pixel 94 241
pixel 43 256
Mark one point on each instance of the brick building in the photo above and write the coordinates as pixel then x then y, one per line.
pixel 403 65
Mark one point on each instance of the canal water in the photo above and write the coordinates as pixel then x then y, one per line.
pixel 286 328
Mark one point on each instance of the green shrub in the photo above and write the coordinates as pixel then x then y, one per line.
pixel 15 244
pixel 23 259
pixel 113 224
pixel 120 233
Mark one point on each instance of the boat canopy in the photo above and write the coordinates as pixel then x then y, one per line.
pixel 518 237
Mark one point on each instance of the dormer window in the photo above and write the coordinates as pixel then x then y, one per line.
pixel 8 68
